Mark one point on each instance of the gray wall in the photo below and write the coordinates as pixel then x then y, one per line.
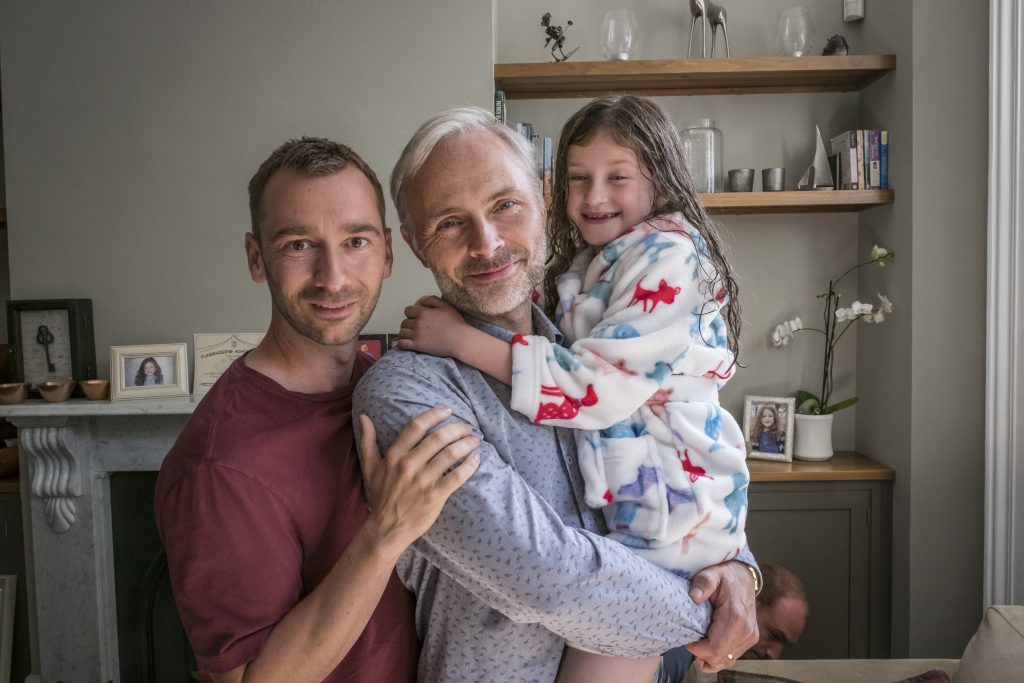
pixel 132 129
pixel 922 380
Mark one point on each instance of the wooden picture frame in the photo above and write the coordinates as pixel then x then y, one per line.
pixel 151 371
pixel 52 340
pixel 766 441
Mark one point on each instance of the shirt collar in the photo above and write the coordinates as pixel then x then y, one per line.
pixel 541 327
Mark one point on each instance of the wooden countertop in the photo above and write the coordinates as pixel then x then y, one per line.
pixel 843 466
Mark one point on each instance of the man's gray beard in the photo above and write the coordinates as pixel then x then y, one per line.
pixel 496 299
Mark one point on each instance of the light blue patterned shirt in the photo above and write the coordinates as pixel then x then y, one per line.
pixel 517 566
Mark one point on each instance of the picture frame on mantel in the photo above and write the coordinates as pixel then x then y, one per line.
pixel 768 427
pixel 152 371
pixel 52 340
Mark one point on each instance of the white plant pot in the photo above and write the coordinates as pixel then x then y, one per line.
pixel 813 437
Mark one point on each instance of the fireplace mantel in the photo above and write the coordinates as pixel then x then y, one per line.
pixel 70 449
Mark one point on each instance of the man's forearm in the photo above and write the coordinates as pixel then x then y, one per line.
pixel 311 640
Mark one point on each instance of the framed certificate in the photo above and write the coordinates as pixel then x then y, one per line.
pixel 215 352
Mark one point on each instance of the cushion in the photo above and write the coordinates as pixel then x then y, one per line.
pixel 996 652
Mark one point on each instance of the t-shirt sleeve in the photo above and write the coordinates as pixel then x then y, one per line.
pixel 234 560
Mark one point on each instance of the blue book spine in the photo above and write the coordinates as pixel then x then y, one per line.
pixel 883 159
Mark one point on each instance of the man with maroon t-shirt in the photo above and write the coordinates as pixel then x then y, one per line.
pixel 279 570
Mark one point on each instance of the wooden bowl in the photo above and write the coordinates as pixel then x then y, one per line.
pixel 12 393
pixel 56 392
pixel 96 389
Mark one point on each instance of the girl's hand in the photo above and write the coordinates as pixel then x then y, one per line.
pixel 432 326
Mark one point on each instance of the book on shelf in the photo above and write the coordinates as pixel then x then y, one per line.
pixel 863 159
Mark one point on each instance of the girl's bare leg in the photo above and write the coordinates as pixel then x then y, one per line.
pixel 586 667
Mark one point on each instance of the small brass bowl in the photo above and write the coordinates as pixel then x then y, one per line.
pixel 56 392
pixel 12 393
pixel 96 389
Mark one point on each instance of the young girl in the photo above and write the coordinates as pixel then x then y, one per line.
pixel 638 284
pixel 766 435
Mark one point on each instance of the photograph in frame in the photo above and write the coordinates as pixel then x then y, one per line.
pixel 373 345
pixel 150 371
pixel 768 427
pixel 215 352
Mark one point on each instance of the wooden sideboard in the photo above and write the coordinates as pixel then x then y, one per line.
pixel 831 523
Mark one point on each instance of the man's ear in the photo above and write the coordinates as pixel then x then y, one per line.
pixel 410 239
pixel 257 270
pixel 389 257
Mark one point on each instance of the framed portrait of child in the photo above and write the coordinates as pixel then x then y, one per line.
pixel 768 427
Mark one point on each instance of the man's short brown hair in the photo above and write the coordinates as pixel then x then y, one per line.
pixel 780 582
pixel 314 157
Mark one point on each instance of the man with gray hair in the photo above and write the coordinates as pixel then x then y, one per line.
pixel 516 566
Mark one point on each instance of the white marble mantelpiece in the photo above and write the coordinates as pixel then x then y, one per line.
pixel 71 449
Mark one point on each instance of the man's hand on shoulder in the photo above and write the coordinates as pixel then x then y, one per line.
pixel 410 484
pixel 730 589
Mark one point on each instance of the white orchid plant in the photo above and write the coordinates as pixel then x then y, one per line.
pixel 820 404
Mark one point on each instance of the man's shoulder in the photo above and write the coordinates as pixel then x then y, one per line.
pixel 406 372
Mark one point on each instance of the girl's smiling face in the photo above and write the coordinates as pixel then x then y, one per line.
pixel 767 418
pixel 609 190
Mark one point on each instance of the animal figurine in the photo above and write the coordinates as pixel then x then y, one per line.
pixel 836 45
pixel 708 12
pixel 556 38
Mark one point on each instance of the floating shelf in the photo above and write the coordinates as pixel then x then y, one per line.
pixel 796 201
pixel 743 76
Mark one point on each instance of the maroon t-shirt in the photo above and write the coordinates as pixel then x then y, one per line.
pixel 255 502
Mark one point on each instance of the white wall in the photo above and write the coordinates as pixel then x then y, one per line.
pixel 132 130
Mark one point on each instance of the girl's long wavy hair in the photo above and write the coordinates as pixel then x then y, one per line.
pixel 639 124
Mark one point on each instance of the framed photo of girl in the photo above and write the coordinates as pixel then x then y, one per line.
pixel 152 371
pixel 768 426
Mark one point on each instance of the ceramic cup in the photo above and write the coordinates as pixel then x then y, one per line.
pixel 773 179
pixel 56 392
pixel 96 389
pixel 14 392
pixel 741 180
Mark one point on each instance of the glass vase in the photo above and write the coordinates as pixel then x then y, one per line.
pixel 702 151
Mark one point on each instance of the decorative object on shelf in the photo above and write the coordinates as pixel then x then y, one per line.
pixel 708 13
pixel 373 345
pixel 741 180
pixel 773 179
pixel 702 151
pixel 153 371
pixel 56 391
pixel 821 403
pixel 215 352
pixel 96 389
pixel 768 427
pixel 13 392
pixel 619 35
pixel 813 437
pixel 556 38
pixel 794 32
pixel 52 339
pixel 818 176
pixel 836 45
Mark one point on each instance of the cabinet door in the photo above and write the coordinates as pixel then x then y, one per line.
pixel 824 537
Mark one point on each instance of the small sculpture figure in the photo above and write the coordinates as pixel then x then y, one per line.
pixel 716 17
pixel 697 12
pixel 707 12
pixel 836 45
pixel 556 38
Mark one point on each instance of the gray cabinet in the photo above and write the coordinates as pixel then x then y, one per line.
pixel 837 536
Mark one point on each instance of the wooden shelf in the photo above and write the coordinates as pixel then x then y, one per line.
pixel 742 76
pixel 843 466
pixel 795 201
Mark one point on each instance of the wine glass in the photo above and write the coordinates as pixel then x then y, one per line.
pixel 619 34
pixel 794 32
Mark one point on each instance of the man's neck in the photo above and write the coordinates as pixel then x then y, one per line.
pixel 518 321
pixel 300 364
